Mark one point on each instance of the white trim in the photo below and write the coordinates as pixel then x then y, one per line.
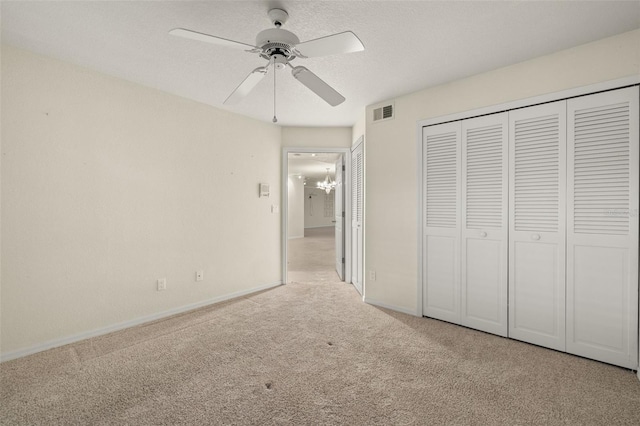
pixel 391 307
pixel 419 171
pixel 128 324
pixel 521 103
pixel 356 289
pixel 346 193
pixel 346 152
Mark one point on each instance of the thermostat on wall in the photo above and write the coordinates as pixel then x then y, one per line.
pixel 264 190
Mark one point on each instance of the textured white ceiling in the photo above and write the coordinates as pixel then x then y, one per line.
pixel 409 45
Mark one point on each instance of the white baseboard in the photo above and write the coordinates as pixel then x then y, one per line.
pixel 127 324
pixel 296 236
pixel 388 306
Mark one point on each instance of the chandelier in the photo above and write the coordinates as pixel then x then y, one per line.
pixel 327 184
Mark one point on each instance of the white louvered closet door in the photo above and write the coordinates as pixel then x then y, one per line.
pixel 602 230
pixel 484 223
pixel 441 183
pixel 537 169
pixel 356 217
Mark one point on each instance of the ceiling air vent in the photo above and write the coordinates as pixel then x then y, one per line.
pixel 383 113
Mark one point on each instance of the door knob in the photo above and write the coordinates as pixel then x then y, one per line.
pixel 483 234
pixel 535 237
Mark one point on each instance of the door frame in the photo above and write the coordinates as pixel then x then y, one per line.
pixel 340 261
pixel 346 152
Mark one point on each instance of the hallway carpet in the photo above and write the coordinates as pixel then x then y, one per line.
pixel 310 352
pixel 312 258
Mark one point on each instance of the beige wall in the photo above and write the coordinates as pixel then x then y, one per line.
pixel 296 202
pixel 359 128
pixel 325 137
pixel 108 186
pixel 391 164
pixel 315 201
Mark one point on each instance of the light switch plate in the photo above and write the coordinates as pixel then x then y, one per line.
pixel 264 190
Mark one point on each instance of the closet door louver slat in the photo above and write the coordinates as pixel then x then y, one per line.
pixel 589 199
pixel 484 177
pixel 441 180
pixel 358 190
pixel 526 216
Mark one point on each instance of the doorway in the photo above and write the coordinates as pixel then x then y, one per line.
pixel 316 197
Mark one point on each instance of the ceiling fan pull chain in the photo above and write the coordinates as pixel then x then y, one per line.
pixel 275 119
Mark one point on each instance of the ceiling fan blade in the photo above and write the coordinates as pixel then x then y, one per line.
pixel 345 42
pixel 246 86
pixel 194 35
pixel 317 86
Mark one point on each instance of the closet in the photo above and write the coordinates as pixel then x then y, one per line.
pixel 530 224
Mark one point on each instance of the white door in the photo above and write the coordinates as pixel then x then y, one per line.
pixel 441 185
pixel 537 224
pixel 484 226
pixel 357 197
pixel 339 216
pixel 602 227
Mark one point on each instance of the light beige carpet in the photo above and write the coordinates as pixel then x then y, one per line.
pixel 310 352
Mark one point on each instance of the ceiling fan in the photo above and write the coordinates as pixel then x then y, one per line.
pixel 280 47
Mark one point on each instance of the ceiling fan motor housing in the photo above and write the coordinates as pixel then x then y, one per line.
pixel 276 41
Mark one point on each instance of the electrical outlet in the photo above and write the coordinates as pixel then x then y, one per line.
pixel 372 275
pixel 199 275
pixel 162 284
